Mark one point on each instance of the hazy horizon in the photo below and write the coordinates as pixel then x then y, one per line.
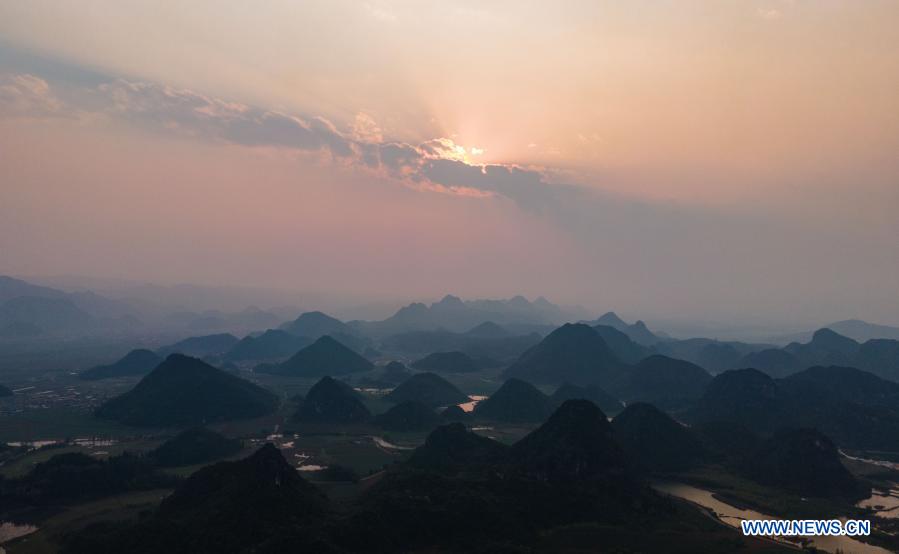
pixel 199 297
pixel 702 161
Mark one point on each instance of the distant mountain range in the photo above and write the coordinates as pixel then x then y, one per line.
pixel 477 343
pixel 853 328
pixel 855 408
pixel 28 310
pixel 457 315
pixel 827 347
pixel 251 318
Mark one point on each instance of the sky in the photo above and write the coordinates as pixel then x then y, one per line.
pixel 719 160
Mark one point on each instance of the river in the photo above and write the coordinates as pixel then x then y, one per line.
pixel 732 516
pixel 10 531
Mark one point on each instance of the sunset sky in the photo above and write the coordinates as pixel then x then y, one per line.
pixel 701 159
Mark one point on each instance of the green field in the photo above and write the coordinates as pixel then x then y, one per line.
pixel 61 423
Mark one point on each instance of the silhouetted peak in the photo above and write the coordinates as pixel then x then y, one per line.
pixel 572 330
pixel 656 440
pixel 325 356
pixel 519 301
pixel 182 362
pixel 514 401
pixel 395 367
pixel 137 362
pixel 450 301
pixel 576 442
pixel 594 393
pixel 330 385
pixel 643 410
pixel 193 446
pixel 577 413
pixel 332 401
pixel 515 386
pixel 264 480
pixel 138 353
pixel 314 316
pixel 745 378
pixel 429 389
pixel 454 445
pixel 269 458
pixel 488 329
pixel 455 413
pixel 328 341
pixel 415 309
pixel 611 319
pixel 574 352
pixel 187 391
pixel 830 339
pixel 804 461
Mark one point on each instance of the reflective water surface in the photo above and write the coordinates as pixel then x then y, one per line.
pixel 732 516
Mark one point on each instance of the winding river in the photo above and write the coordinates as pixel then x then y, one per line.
pixel 732 516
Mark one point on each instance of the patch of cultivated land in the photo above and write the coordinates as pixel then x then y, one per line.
pixel 126 506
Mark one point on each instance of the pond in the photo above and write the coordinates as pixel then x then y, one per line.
pixel 469 406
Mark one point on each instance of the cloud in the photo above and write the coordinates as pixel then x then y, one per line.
pixel 25 95
pixel 437 165
pixel 365 129
pixel 195 114
pixel 769 13
pixel 379 12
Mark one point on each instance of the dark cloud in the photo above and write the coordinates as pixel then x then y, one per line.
pixel 526 187
pixel 400 158
pixel 196 114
